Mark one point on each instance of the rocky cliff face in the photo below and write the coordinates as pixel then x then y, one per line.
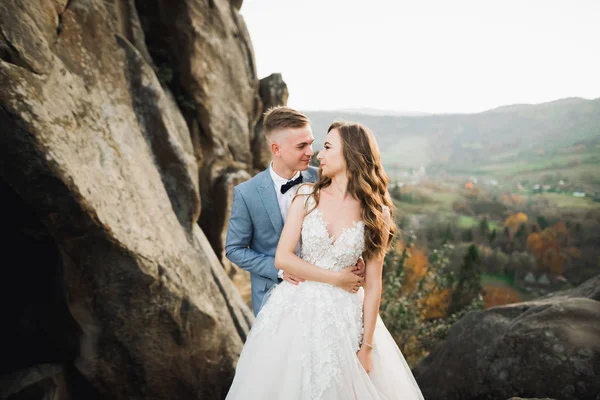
pixel 123 124
pixel 544 348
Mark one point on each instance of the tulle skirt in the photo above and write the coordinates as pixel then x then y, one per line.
pixel 303 347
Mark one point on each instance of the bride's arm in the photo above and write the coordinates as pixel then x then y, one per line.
pixel 287 260
pixel 373 287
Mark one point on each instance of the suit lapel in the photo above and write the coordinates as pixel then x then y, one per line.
pixel 308 177
pixel 269 199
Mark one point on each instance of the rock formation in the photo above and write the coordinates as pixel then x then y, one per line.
pixel 544 348
pixel 123 124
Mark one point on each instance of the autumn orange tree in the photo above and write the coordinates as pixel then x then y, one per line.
pixel 545 247
pixel 499 295
pixel 514 222
pixel 415 269
pixel 511 199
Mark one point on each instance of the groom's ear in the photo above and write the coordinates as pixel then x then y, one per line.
pixel 274 148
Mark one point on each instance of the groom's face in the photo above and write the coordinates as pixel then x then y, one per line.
pixel 295 147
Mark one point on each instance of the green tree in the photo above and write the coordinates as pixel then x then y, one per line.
pixel 468 286
pixel 521 233
pixel 492 236
pixel 447 236
pixel 467 235
pixel 484 227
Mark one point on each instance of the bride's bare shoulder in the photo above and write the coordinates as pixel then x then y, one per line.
pixel 305 189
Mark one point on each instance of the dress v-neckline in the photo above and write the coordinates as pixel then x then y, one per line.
pixel 332 239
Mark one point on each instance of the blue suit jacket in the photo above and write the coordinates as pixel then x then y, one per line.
pixel 254 230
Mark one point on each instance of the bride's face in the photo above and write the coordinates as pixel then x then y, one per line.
pixel 331 157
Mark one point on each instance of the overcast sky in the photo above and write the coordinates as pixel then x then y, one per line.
pixel 427 55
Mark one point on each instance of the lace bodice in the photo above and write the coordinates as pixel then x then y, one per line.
pixel 322 250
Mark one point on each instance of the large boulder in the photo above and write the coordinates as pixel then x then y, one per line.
pixel 544 348
pixel 45 381
pixel 203 53
pixel 113 280
pixel 521 398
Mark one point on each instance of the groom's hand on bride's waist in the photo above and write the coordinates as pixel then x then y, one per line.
pixel 294 280
pixel 359 268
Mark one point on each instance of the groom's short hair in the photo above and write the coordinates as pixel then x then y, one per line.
pixel 281 117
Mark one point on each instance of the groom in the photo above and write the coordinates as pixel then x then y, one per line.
pixel 260 205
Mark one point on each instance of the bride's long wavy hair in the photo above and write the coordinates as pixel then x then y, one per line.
pixel 367 182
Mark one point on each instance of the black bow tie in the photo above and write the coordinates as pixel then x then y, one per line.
pixel 289 184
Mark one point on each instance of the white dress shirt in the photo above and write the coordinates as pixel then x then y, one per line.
pixel 284 199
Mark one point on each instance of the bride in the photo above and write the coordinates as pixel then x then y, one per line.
pixel 316 340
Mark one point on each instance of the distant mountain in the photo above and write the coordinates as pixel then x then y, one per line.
pixel 376 112
pixel 523 107
pixel 515 139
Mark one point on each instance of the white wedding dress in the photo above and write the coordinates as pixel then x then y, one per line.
pixel 304 340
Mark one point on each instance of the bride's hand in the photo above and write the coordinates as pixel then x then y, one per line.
pixel 366 358
pixel 348 280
